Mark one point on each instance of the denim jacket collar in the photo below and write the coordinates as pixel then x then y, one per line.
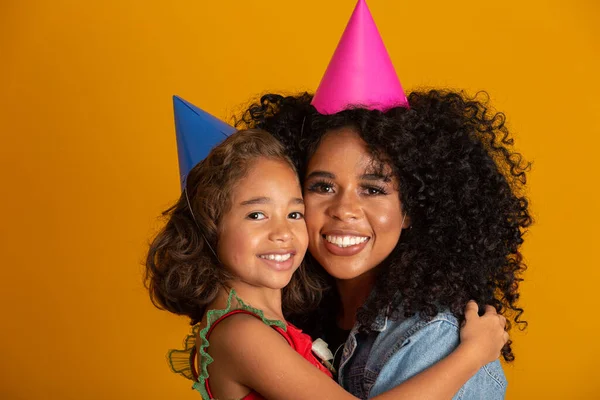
pixel 381 321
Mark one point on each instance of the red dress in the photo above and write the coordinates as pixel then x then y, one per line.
pixel 299 341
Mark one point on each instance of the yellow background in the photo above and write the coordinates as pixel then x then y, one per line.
pixel 88 161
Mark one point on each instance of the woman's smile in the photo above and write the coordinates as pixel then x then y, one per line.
pixel 344 243
pixel 353 210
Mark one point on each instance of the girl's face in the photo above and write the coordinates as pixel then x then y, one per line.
pixel 353 212
pixel 262 239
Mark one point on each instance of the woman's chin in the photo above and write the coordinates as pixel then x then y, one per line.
pixel 343 270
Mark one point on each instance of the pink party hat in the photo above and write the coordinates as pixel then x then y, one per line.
pixel 360 74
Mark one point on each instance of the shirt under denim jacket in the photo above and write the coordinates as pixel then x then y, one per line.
pixel 393 351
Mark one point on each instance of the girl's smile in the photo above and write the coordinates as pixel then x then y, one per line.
pixel 280 260
pixel 262 236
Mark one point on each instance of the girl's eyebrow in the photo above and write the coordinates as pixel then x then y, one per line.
pixel 256 200
pixel 320 174
pixel 267 200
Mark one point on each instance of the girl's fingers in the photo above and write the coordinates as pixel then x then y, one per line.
pixel 502 320
pixel 490 310
pixel 471 310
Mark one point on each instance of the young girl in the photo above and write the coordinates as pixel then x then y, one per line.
pixel 233 241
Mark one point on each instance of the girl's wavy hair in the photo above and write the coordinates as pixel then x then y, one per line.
pixel 462 184
pixel 183 274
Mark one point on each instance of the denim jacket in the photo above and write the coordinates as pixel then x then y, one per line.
pixel 393 351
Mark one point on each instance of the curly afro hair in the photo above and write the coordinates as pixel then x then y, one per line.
pixel 462 184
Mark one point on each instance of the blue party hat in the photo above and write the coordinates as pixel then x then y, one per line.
pixel 198 133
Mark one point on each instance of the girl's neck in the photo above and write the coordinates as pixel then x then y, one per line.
pixel 265 299
pixel 353 294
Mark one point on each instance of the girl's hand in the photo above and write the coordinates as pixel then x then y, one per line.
pixel 483 337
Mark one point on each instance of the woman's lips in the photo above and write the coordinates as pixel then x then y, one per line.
pixel 344 243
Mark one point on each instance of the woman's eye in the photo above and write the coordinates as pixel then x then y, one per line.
pixel 296 215
pixel 321 187
pixel 374 190
pixel 256 216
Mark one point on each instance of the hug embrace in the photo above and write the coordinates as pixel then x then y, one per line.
pixel 386 225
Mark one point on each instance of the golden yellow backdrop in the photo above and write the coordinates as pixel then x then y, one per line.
pixel 88 161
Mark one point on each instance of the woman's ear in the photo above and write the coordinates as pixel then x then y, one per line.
pixel 406 221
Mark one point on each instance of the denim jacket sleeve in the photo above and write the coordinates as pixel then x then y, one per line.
pixel 430 344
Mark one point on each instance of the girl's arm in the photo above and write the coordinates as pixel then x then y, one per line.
pixel 482 339
pixel 260 359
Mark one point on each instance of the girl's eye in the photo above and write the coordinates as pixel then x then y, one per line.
pixel 296 215
pixel 256 216
pixel 321 187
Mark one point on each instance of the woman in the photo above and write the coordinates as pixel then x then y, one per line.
pixel 413 206
pixel 411 213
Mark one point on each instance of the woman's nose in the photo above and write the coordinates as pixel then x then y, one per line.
pixel 345 207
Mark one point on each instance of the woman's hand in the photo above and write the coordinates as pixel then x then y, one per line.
pixel 482 337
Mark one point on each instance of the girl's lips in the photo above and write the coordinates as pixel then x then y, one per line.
pixel 279 251
pixel 280 265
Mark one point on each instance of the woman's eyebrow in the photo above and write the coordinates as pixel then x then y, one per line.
pixel 321 174
pixel 376 177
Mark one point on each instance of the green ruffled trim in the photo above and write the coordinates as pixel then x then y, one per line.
pixel 180 361
pixel 176 358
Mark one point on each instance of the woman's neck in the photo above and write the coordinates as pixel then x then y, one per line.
pixel 353 294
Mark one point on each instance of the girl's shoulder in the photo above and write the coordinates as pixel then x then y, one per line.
pixel 233 334
pixel 235 305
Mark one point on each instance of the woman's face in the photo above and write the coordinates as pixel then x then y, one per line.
pixel 353 211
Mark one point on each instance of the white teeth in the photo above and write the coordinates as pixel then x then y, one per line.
pixel 277 257
pixel 346 241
